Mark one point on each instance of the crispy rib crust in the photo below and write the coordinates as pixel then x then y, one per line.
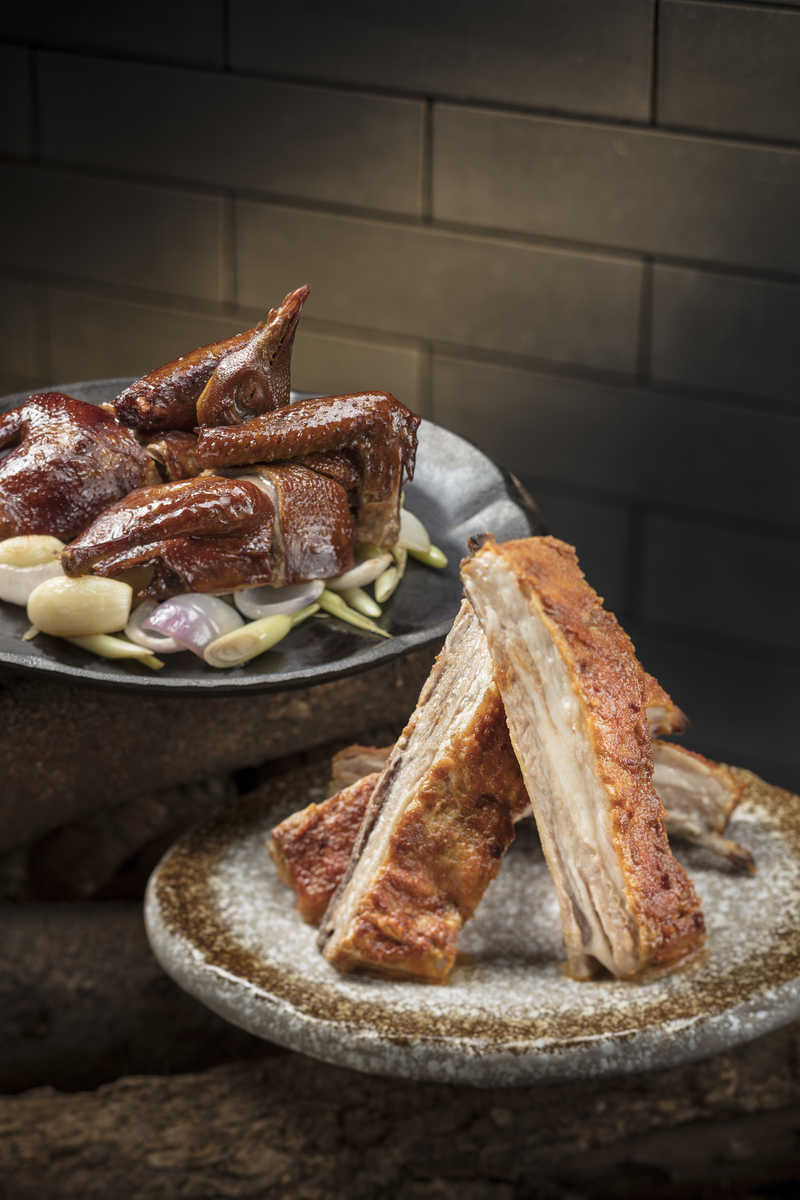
pixel 663 714
pixel 424 856
pixel 312 848
pixel 652 915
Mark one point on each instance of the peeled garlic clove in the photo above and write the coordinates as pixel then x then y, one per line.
pixel 17 583
pixel 248 641
pixel 78 607
pixel 413 534
pixel 31 550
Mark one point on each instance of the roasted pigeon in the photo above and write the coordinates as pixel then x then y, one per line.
pixel 221 384
pixel 439 820
pixel 69 461
pixel 282 525
pixel 371 429
pixel 575 699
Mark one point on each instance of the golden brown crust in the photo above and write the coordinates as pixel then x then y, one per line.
pixel 610 684
pixel 444 852
pixel 311 848
pixel 664 716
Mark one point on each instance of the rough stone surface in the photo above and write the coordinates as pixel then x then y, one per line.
pixel 292 1127
pixel 82 1000
pixel 67 750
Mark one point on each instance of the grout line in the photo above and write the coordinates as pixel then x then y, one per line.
pixel 225 17
pixel 34 132
pixel 654 65
pixel 541 112
pixel 635 561
pixel 645 332
pixel 539 241
pixel 426 165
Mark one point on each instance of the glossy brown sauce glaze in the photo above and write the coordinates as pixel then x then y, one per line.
pixel 69 461
pixel 222 383
pixel 216 534
pixel 376 429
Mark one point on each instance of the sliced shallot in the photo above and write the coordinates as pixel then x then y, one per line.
pixel 413 534
pixel 157 642
pixel 193 619
pixel 270 601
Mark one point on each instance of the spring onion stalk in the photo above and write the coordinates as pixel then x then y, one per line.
pixel 358 599
pixel 248 641
pixel 336 607
pixel 386 584
pixel 432 557
pixel 413 534
pixel 298 617
pixel 30 634
pixel 106 646
pixel 361 574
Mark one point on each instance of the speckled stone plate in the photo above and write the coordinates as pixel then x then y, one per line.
pixel 456 491
pixel 225 928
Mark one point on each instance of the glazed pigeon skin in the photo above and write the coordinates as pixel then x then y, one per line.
pixel 68 461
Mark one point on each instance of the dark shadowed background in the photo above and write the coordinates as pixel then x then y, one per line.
pixel 567 230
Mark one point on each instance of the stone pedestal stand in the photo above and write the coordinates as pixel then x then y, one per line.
pixel 115 1083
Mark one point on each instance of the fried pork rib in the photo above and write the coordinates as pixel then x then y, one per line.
pixel 70 460
pixel 223 383
pixel 698 797
pixel 438 823
pixel 575 699
pixel 372 428
pixel 312 847
pixel 214 534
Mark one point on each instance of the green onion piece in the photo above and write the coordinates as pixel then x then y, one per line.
pixel 31 633
pixel 358 599
pixel 106 646
pixel 248 641
pixel 432 557
pixel 400 555
pixel 386 583
pixel 335 605
pixel 304 614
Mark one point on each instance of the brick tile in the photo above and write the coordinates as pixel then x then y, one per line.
pixel 147 29
pixel 14 137
pixel 18 329
pixel 725 332
pixel 742 705
pixel 334 365
pixel 111 231
pixel 624 441
pixel 600 533
pixel 730 69
pixel 96 337
pixel 579 57
pixel 638 189
pixel 721 580
pixel 436 285
pixel 319 143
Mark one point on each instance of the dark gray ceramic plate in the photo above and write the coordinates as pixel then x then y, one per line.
pixel 224 927
pixel 457 491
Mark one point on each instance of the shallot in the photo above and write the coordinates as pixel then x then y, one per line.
pixel 193 620
pixel 270 601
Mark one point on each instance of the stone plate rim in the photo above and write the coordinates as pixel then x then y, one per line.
pixel 350 653
pixel 194 943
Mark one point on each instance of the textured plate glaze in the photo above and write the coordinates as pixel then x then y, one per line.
pixel 224 927
pixel 457 492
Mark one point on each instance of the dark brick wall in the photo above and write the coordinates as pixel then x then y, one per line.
pixel 568 231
